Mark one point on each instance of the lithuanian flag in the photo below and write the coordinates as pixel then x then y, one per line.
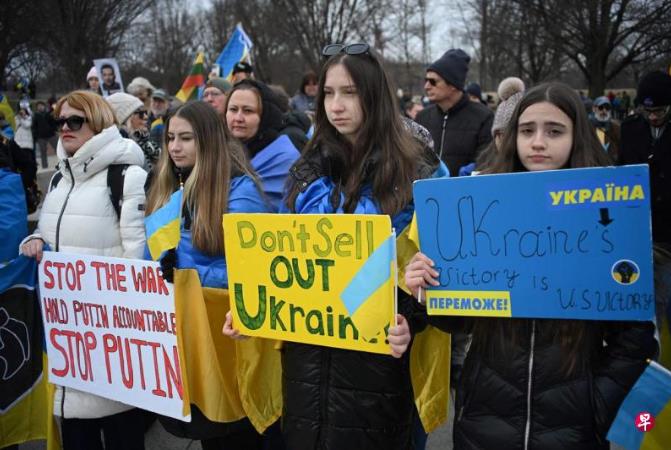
pixel 193 81
pixel 162 226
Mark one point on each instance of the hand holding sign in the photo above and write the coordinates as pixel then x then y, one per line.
pixel 228 329
pixel 420 273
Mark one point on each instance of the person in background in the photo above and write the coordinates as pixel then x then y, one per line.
pixel 412 107
pixel 606 127
pixel 510 92
pixel 646 139
pixel 475 93
pixel 241 71
pixel 77 217
pixel 215 93
pixel 131 118
pixel 44 130
pixel 253 116
pixel 460 128
pixel 24 131
pixel 304 100
pixel 539 383
pixel 142 89
pixel 93 81
pixel 295 124
pixel 160 102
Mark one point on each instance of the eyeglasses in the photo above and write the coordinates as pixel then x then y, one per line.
pixel 359 48
pixel 432 81
pixel 605 107
pixel 142 114
pixel 212 93
pixel 74 123
pixel 658 111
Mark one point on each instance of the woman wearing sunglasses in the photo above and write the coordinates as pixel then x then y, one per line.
pixel 77 216
pixel 361 160
pixel 131 117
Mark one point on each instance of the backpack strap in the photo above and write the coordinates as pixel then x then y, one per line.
pixel 115 181
pixel 55 180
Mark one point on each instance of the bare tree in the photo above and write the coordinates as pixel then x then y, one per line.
pixel 17 31
pixel 602 37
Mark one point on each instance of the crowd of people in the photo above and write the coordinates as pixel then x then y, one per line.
pixel 346 144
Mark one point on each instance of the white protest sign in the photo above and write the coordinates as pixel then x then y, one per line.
pixel 110 330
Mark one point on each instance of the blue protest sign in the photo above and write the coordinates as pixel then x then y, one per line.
pixel 570 244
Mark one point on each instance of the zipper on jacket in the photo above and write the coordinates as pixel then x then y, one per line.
pixel 527 427
pixel 65 203
pixel 442 136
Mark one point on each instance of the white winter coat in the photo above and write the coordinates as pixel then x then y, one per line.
pixel 24 133
pixel 89 225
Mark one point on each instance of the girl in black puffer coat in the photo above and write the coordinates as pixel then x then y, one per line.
pixel 531 383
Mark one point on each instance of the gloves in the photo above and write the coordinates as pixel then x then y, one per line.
pixel 168 264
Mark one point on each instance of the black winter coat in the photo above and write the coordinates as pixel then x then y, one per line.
pixel 342 399
pixel 639 147
pixel 44 125
pixel 521 398
pixel 460 133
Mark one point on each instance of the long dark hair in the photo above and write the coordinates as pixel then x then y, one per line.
pixel 586 150
pixel 384 154
pixel 219 158
pixel 576 338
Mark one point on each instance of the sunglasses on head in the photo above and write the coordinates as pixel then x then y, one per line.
pixel 359 48
pixel 74 123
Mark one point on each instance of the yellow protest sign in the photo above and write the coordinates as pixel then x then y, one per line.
pixel 317 279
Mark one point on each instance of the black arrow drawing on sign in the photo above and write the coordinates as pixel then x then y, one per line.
pixel 605 218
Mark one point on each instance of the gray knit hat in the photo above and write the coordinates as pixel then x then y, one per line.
pixel 124 105
pixel 511 91
pixel 220 83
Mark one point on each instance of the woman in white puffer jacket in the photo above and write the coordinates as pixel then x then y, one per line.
pixel 78 217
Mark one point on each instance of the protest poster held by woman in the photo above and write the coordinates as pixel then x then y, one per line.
pixel 199 157
pixel 77 216
pixel 559 383
pixel 361 160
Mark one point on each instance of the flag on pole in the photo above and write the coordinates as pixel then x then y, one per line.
pixel 644 419
pixel 193 81
pixel 162 226
pixel 238 48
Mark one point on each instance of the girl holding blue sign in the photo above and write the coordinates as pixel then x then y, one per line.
pixel 362 159
pixel 532 383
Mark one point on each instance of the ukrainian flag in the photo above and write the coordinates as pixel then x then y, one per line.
pixel 237 49
pixel 644 419
pixel 163 226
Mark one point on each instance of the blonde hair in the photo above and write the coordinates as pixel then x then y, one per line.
pixel 99 114
pixel 206 191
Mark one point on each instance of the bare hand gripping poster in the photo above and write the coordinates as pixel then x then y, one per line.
pixel 571 244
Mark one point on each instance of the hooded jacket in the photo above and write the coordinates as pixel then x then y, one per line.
pixel 77 216
pixel 270 152
pixel 458 133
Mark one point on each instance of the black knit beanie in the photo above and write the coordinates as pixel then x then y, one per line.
pixel 654 89
pixel 452 67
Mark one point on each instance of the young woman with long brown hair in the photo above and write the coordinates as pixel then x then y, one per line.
pixel 537 383
pixel 199 156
